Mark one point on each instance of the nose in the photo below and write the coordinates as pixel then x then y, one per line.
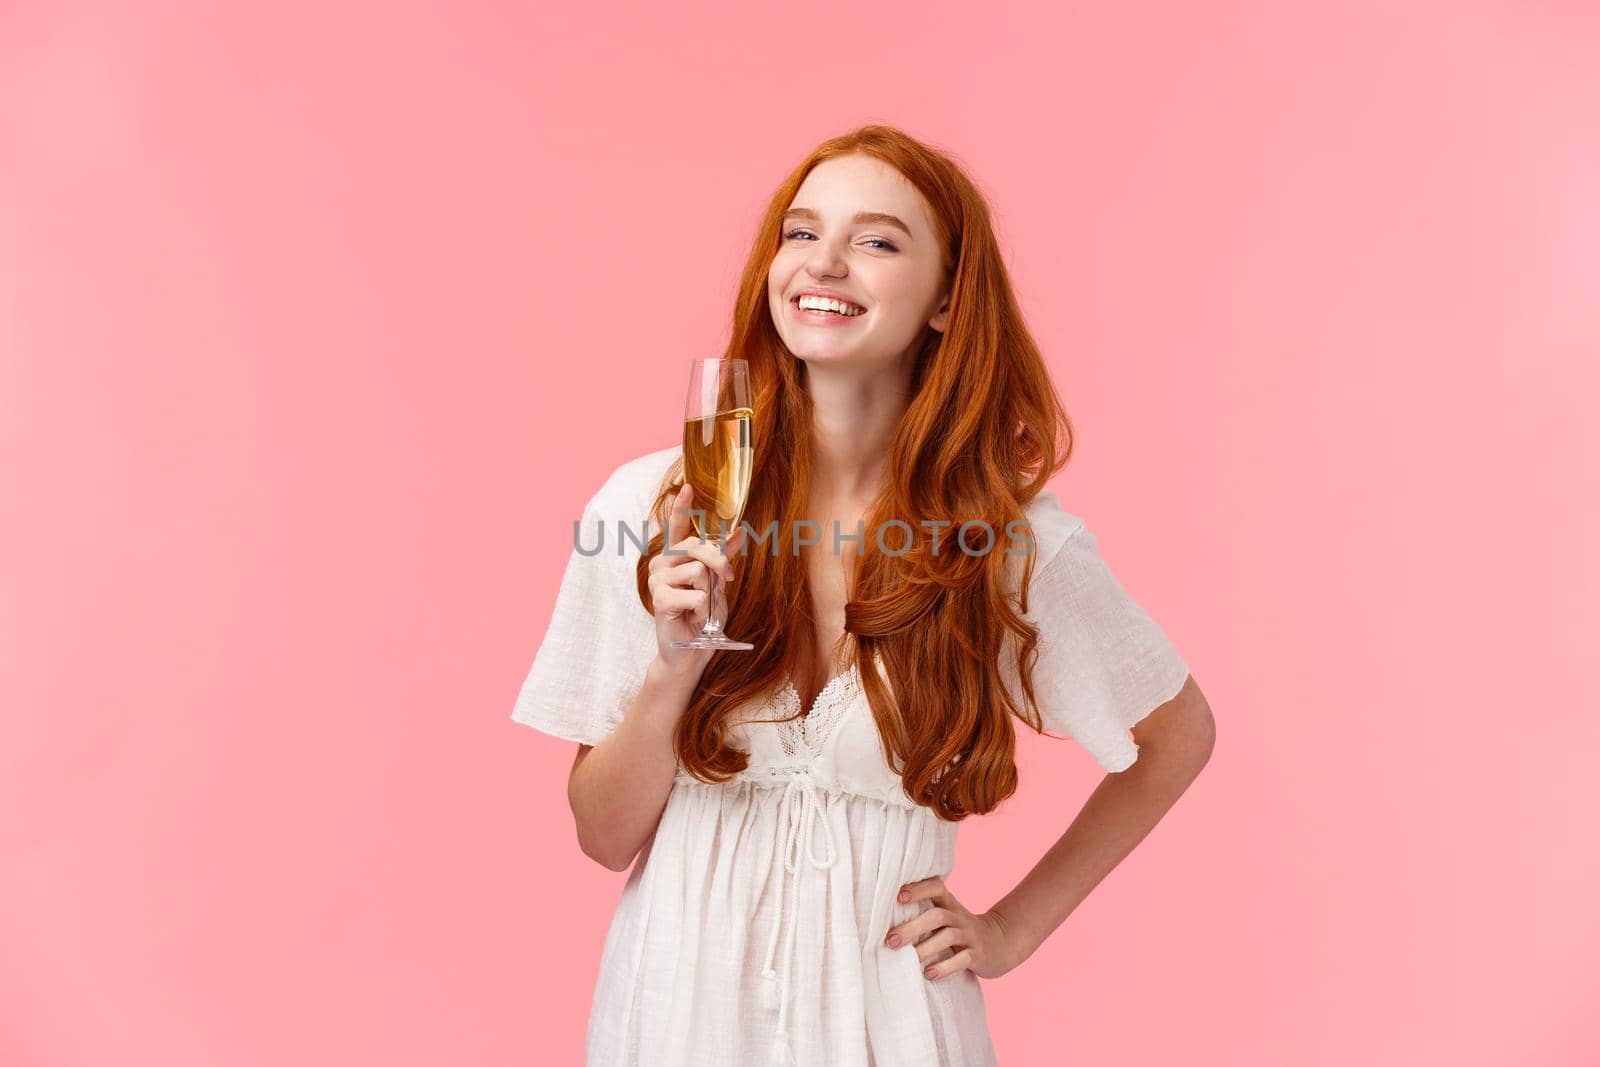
pixel 826 261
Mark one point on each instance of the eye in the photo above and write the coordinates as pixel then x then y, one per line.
pixel 886 246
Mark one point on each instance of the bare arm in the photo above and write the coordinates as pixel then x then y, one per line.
pixel 1175 742
pixel 618 788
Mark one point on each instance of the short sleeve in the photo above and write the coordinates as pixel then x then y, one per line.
pixel 600 641
pixel 1103 663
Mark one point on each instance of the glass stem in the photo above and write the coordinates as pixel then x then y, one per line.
pixel 716 609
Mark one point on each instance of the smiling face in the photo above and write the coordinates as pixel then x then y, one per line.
pixel 859 236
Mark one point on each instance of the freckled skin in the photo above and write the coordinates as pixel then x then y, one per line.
pixel 902 288
pixel 899 277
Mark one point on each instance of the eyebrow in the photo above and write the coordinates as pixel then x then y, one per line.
pixel 862 218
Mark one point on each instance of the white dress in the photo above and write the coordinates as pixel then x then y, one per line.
pixel 751 928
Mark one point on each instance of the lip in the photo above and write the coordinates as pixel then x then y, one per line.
pixel 822 318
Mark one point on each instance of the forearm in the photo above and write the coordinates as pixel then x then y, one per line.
pixel 1121 811
pixel 619 789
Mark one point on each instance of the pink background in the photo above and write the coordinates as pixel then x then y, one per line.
pixel 322 321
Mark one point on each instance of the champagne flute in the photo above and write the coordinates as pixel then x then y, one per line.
pixel 718 454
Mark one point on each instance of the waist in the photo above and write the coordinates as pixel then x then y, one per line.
pixel 777 778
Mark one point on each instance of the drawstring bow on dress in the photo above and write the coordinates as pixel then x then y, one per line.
pixel 800 810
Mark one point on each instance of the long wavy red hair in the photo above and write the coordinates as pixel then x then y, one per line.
pixel 983 433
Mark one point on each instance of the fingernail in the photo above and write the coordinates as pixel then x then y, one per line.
pixel 894 940
pixel 904 896
pixel 929 972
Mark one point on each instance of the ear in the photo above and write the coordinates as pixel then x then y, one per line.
pixel 941 318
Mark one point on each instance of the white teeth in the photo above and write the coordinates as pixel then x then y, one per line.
pixel 823 303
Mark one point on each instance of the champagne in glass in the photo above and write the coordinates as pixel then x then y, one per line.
pixel 718 454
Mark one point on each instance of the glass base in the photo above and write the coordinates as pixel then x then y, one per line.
pixel 714 641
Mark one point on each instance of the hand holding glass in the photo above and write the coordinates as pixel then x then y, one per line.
pixel 718 453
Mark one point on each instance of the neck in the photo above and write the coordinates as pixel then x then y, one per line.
pixel 855 414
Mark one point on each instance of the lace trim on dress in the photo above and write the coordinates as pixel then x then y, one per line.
pixel 805 737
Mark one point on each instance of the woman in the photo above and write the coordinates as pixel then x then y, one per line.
pixel 793 810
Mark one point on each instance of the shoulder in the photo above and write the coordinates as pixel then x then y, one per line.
pixel 631 488
pixel 1054 528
